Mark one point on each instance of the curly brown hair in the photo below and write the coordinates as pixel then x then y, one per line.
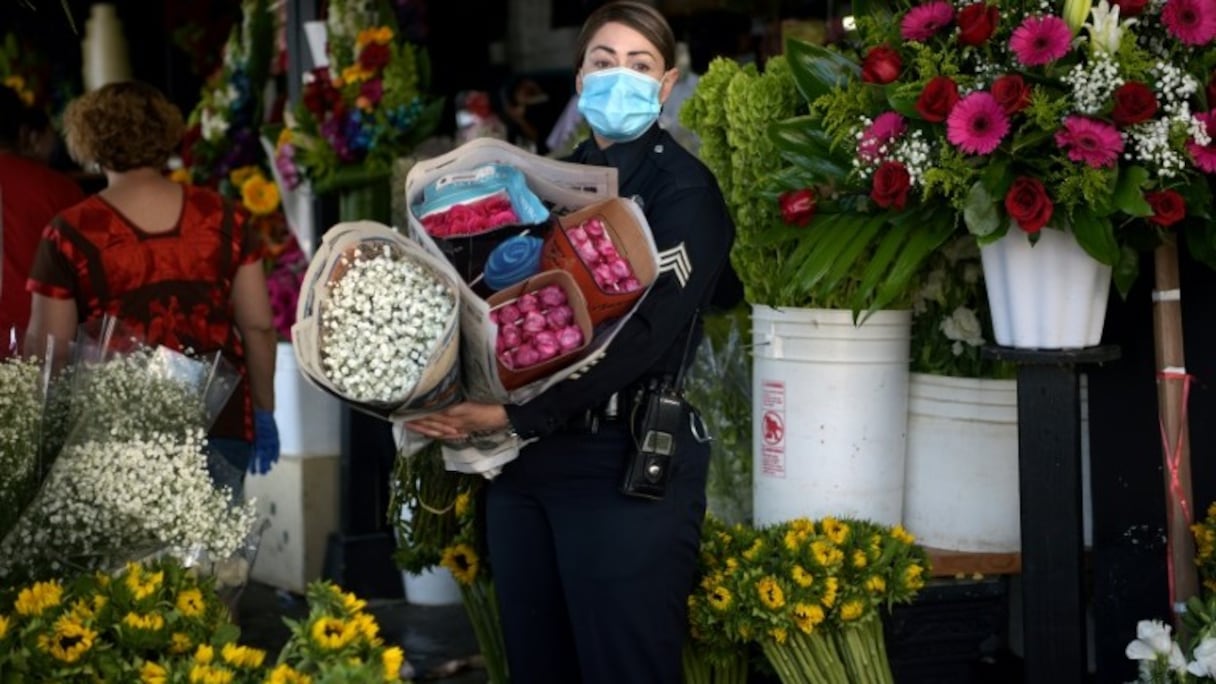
pixel 123 126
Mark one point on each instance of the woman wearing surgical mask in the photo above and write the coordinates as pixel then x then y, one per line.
pixel 593 582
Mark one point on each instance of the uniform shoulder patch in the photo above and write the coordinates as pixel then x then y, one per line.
pixel 675 261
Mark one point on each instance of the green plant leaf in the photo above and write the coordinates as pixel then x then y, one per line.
pixel 1126 270
pixel 997 179
pixel 926 233
pixel 809 265
pixel 803 142
pixel 818 70
pixel 1096 235
pixel 864 230
pixel 980 212
pixel 778 233
pixel 1128 196
pixel 901 101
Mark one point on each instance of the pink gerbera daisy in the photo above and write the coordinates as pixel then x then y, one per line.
pixel 977 124
pixel 1191 21
pixel 923 21
pixel 1096 143
pixel 887 128
pixel 1040 40
pixel 1205 155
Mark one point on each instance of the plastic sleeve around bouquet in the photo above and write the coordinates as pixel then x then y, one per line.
pixel 132 477
pixel 377 324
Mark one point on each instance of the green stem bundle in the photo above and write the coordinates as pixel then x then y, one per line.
pixel 481 604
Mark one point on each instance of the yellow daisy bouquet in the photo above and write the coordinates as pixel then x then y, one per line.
pixel 810 593
pixel 160 622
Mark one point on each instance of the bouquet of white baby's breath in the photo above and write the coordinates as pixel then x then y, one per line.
pixel 132 479
pixel 21 411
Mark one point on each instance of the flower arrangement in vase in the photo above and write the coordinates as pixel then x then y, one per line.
pixel 363 110
pixel 1020 116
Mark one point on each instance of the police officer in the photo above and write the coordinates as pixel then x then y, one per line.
pixel 593 583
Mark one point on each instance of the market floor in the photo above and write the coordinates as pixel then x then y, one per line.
pixel 438 640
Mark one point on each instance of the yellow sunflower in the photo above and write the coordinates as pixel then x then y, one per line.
pixel 68 641
pixel 835 530
pixel 190 603
pixel 153 673
pixel 285 674
pixel 211 674
pixel 35 600
pixel 876 584
pixel 720 599
pixel 900 534
pixel 392 659
pixel 142 584
pixel 831 586
pixel 260 196
pixel 4 623
pixel 779 634
pixel 204 655
pixel 913 577
pixel 179 642
pixel 149 622
pixel 859 558
pixel 826 553
pixel 808 616
pixel 801 577
pixel 462 560
pixel 353 604
pixel 244 657
pixel 771 594
pixel 463 504
pixel 240 175
pixel 754 550
pixel 332 633
pixel 851 610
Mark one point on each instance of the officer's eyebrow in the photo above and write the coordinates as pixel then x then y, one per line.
pixel 631 53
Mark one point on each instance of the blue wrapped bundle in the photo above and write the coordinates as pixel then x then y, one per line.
pixel 513 260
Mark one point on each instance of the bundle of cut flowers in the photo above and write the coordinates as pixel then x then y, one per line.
pixel 362 111
pixel 811 593
pixel 21 422
pixel 1088 117
pixel 133 475
pixel 470 218
pixel 592 242
pixel 161 621
pixel 1165 658
pixel 950 316
pixel 535 327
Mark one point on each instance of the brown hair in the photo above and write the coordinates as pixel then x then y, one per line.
pixel 638 16
pixel 122 126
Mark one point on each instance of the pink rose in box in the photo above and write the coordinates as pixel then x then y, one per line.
pixel 535 327
pixel 593 244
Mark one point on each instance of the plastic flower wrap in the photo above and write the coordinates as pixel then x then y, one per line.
pixel 362 111
pixel 378 321
pixel 133 477
pixel 1026 116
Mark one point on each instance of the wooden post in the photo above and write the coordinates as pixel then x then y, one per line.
pixel 1172 383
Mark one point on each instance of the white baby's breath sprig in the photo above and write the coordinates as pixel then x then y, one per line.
pixel 381 323
pixel 21 410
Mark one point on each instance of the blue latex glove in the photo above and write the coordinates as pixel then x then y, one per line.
pixel 265 442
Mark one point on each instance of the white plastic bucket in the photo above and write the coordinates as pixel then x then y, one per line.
pixel 830 412
pixel 431 587
pixel 961 487
pixel 1049 296
pixel 308 419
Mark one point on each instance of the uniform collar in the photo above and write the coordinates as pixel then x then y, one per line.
pixel 624 156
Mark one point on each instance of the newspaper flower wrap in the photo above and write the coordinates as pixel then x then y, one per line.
pixel 377 322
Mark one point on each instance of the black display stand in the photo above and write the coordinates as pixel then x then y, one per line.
pixel 1049 472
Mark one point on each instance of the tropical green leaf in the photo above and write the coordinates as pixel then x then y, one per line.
pixel 814 257
pixel 805 250
pixel 925 235
pixel 818 70
pixel 997 179
pixel 864 230
pixel 778 233
pixel 803 142
pixel 1096 235
pixel 1128 196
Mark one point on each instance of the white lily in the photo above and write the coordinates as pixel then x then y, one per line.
pixel 1204 664
pixel 1105 30
pixel 1075 12
pixel 1153 642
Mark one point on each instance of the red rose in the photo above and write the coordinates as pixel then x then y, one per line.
pixel 374 56
pixel 1134 102
pixel 977 23
pixel 1028 204
pixel 1129 8
pixel 797 206
pixel 1168 207
pixel 937 99
pixel 881 65
pixel 891 183
pixel 1011 93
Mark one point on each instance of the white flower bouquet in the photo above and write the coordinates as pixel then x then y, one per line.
pixel 21 415
pixel 377 322
pixel 132 478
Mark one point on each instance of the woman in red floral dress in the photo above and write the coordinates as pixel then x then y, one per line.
pixel 174 263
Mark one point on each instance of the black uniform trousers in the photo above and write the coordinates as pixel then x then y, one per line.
pixel 592 584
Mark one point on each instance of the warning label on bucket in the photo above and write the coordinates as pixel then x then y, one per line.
pixel 772 406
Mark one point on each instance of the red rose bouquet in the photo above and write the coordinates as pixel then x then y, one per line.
pixel 1097 118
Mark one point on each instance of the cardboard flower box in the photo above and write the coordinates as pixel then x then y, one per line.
pixel 517 377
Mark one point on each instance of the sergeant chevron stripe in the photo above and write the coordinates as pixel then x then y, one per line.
pixel 675 261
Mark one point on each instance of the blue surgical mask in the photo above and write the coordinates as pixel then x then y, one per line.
pixel 619 104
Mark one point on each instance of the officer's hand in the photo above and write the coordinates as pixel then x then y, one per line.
pixel 265 442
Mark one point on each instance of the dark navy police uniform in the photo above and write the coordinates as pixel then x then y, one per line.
pixel 593 584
